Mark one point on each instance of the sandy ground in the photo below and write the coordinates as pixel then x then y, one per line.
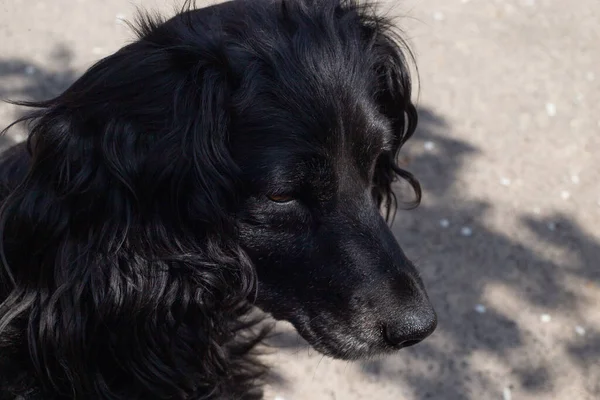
pixel 508 236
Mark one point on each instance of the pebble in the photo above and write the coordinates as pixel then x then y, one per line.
pixel 480 308
pixel 506 394
pixel 537 210
pixel 29 70
pixel 565 195
pixel 429 146
pixel 590 76
pixel 580 330
pixel 18 137
pixel 530 3
pixel 551 109
pixel 505 182
pixel 444 223
pixel 439 16
pixel 552 226
pixel 466 231
pixel 575 179
pixel 545 318
pixel 278 398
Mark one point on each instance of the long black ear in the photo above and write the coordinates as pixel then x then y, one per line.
pixel 393 59
pixel 119 231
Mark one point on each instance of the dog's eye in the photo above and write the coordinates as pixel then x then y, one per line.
pixel 281 198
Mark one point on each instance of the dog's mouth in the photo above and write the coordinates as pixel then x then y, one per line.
pixel 337 340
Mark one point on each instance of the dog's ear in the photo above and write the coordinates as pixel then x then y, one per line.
pixel 393 95
pixel 120 231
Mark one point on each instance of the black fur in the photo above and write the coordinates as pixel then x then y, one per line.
pixel 232 156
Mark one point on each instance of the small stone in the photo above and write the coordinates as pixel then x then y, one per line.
pixel 506 394
pixel 590 76
pixel 575 179
pixel 29 70
pixel 530 3
pixel 439 16
pixel 552 226
pixel 551 109
pixel 18 137
pixel 537 210
pixel 466 231
pixel 505 182
pixel 480 308
pixel 444 223
pixel 545 318
pixel 580 330
pixel 429 146
pixel 565 195
pixel 278 398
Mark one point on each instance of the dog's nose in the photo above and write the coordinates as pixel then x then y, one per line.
pixel 410 329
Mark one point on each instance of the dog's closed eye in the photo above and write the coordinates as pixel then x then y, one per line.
pixel 281 198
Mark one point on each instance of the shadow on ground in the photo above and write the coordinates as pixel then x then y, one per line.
pixel 22 79
pixel 457 269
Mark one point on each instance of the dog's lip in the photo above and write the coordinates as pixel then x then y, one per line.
pixel 329 345
pixel 326 343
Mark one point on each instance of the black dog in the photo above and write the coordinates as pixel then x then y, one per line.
pixel 234 155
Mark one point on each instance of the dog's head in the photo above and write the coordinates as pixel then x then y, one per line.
pixel 242 151
pixel 323 111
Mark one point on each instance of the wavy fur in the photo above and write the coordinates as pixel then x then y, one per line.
pixel 123 275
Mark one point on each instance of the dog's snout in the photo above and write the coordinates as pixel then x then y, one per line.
pixel 410 329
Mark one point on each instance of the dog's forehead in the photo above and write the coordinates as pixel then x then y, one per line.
pixel 308 87
pixel 317 151
pixel 337 127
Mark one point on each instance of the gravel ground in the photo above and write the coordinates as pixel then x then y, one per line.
pixel 507 151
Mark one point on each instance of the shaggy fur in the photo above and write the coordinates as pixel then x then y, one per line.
pixel 232 156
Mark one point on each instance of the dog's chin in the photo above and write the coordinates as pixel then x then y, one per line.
pixel 350 350
pixel 335 339
pixel 336 342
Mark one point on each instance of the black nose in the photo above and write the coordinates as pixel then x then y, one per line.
pixel 410 329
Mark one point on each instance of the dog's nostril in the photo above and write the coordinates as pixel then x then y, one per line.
pixel 407 343
pixel 398 338
pixel 410 330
